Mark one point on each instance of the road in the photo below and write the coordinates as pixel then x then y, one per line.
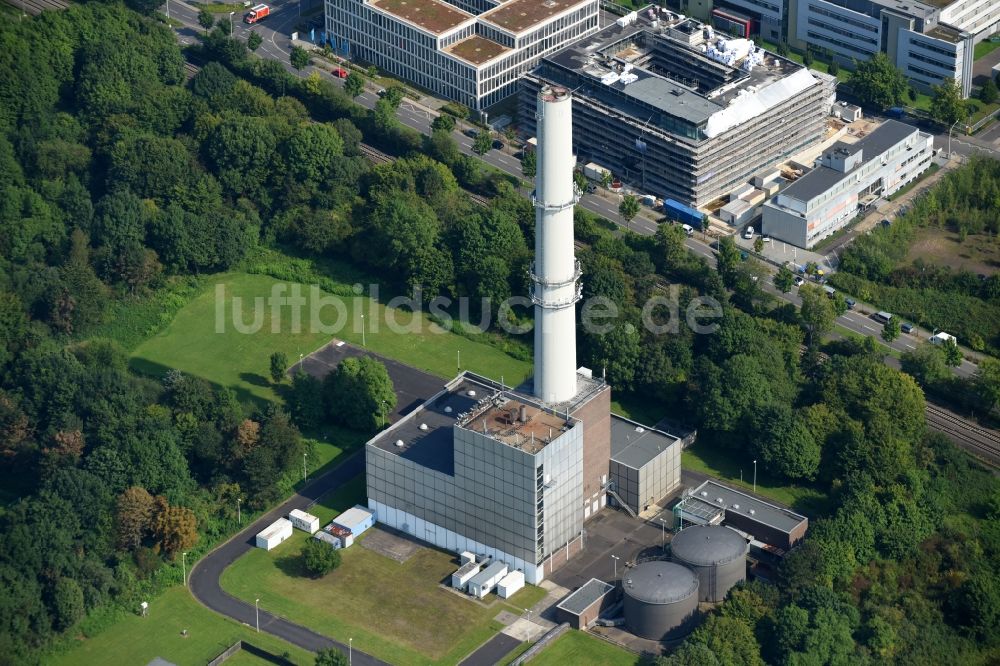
pixel 206 574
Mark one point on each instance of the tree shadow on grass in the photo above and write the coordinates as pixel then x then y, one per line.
pixel 254 379
pixel 292 565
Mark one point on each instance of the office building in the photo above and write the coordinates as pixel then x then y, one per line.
pixel 470 51
pixel 512 474
pixel 930 41
pixel 670 107
pixel 849 178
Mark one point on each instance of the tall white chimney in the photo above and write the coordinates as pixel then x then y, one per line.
pixel 556 273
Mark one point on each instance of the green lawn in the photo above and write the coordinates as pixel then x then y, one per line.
pixel 985 48
pixel 725 466
pixel 195 342
pixel 138 640
pixel 581 649
pixel 383 605
pixel 638 408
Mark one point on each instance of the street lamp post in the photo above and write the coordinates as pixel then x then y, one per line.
pixel 231 23
pixel 363 331
pixel 350 651
pixel 239 515
pixel 615 558
pixel 382 411
pixel 663 532
pixel 184 568
pixel 949 136
pixel 755 476
pixel 256 612
pixel 304 466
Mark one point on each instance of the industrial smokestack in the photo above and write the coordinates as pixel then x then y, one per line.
pixel 556 273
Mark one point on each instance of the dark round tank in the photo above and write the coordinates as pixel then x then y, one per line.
pixel 660 600
pixel 717 555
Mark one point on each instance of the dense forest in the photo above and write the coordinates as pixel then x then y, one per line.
pixel 122 178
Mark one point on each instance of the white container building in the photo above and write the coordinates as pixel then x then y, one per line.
pixel 467 556
pixel 274 534
pixel 483 583
pixel 304 521
pixel 510 584
pixel 465 573
pixel 357 519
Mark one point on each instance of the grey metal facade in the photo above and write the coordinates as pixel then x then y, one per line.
pixel 522 505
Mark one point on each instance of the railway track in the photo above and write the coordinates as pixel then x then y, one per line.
pixel 374 154
pixel 983 442
pixel 190 70
pixel 36 7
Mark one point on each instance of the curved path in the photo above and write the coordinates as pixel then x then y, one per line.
pixel 206 574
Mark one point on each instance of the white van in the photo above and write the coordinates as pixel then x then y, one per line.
pixel 688 229
pixel 941 338
pixel 882 317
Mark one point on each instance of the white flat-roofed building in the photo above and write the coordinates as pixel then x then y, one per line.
pixel 304 521
pixel 849 178
pixel 274 534
pixel 470 51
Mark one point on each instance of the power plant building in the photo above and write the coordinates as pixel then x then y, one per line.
pixel 712 503
pixel 680 111
pixel 470 51
pixel 511 474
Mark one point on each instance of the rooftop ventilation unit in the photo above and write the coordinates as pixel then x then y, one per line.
pixel 400 443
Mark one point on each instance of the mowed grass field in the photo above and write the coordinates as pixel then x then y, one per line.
pixel 723 466
pixel 398 612
pixel 581 649
pixel 202 339
pixel 136 640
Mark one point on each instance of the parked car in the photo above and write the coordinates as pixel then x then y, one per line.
pixel 765 239
pixel 591 188
pixel 339 72
pixel 471 133
pixel 498 145
pixel 906 327
pixel 748 234
pixel 850 302
pixel 799 281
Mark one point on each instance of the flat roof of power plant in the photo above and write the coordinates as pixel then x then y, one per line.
pixel 433 16
pixel 585 596
pixel 634 445
pixel 426 437
pixel 476 50
pixel 519 15
pixel 779 518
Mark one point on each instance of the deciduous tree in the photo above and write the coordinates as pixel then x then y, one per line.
pixel 878 82
pixel 279 364
pixel 629 207
pixel 482 143
pixel 359 393
pixel 176 529
pixel 947 105
pixel 319 558
pixel 133 517
pixel 299 58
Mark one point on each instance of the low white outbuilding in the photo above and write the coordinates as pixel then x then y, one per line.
pixel 304 521
pixel 274 534
pixel 464 574
pixel 466 557
pixel 510 584
pixel 483 583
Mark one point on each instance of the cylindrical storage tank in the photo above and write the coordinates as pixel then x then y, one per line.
pixel 717 555
pixel 660 600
